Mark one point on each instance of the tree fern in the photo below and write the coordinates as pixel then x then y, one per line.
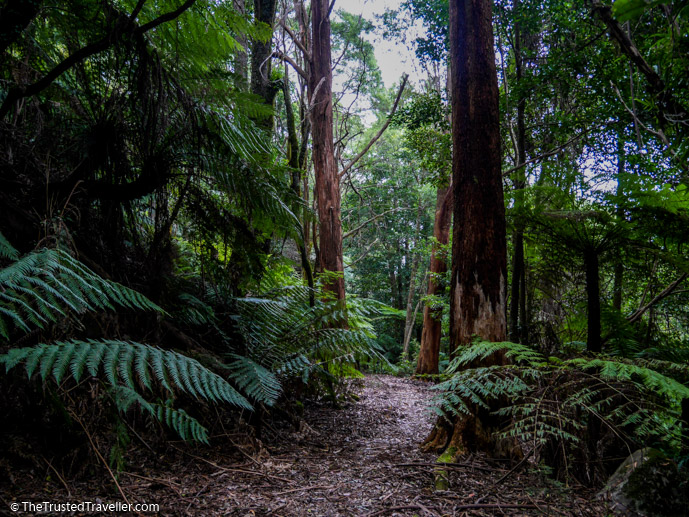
pixel 551 400
pixel 129 368
pixel 255 380
pixel 44 286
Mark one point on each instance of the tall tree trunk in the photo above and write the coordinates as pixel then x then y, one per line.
pixel 618 269
pixel 479 254
pixel 431 333
pixel 593 341
pixel 261 67
pixel 327 178
pixel 517 305
pixel 393 286
pixel 296 171
pixel 241 59
pixel 411 313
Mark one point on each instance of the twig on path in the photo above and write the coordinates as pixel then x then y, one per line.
pixel 222 469
pixel 64 483
pixel 251 472
pixel 514 469
pixel 497 506
pixel 314 487
pixel 170 484
pixel 100 456
pixel 445 465
pixel 397 508
pixel 196 497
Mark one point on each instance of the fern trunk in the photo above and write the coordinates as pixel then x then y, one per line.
pixel 591 264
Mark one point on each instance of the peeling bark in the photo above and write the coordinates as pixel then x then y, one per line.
pixel 431 334
pixel 327 178
pixel 479 254
pixel 479 250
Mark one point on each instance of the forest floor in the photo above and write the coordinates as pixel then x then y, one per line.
pixel 362 459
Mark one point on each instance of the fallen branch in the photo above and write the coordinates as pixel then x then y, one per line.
pixel 316 487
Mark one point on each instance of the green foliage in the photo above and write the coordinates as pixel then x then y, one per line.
pixel 286 336
pixel 44 286
pixel 128 367
pixel 551 401
pixel 256 381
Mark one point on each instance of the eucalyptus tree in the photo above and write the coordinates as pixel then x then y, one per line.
pixel 479 251
pixel 427 135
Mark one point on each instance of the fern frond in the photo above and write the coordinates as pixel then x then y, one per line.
pixel 125 363
pixel 256 381
pixel 186 426
pixel 7 250
pixel 647 378
pixel 43 286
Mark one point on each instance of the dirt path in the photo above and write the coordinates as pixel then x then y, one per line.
pixel 360 460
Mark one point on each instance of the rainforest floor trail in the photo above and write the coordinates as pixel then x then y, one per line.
pixel 362 459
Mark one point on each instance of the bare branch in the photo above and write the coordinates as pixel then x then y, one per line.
pixel 292 62
pixel 546 154
pixel 363 255
pixel 375 217
pixel 293 37
pixel 381 131
pixel 636 315
pixel 670 107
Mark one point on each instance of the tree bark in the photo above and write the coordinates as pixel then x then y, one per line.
pixel 261 55
pixel 411 313
pixel 593 340
pixel 479 254
pixel 618 270
pixel 241 59
pixel 296 172
pixel 327 178
pixel 517 306
pixel 431 333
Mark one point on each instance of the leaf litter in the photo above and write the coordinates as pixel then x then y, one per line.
pixel 361 459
